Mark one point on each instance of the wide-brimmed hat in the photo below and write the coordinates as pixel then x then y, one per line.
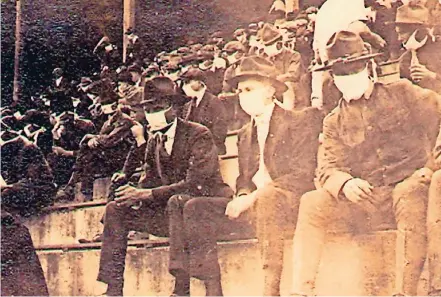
pixel 412 14
pixel 234 46
pixel 269 34
pixel 345 47
pixel 260 68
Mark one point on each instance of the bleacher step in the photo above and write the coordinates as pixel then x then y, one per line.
pixel 351 265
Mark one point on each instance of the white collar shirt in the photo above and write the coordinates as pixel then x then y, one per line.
pixel 171 134
pixel 262 122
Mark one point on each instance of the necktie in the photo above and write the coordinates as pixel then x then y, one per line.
pixel 160 152
pixel 191 108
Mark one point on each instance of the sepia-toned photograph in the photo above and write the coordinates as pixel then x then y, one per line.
pixel 220 148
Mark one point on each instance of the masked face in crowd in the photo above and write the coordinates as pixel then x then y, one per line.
pixel 233 57
pixel 158 115
pixel 193 87
pixel 353 86
pixel 273 49
pixel 255 96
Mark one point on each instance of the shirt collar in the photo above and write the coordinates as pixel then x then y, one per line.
pixel 265 117
pixel 171 132
pixel 200 94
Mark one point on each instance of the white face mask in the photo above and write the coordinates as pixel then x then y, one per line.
pixel 157 120
pixel 353 86
pixel 189 89
pixel 253 102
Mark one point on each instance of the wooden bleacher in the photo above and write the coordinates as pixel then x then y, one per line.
pixel 351 265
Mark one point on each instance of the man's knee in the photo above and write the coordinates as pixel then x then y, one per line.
pixel 194 208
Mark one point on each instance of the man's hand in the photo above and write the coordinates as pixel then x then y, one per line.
pixel 138 133
pixel 117 177
pixel 357 190
pixel 419 72
pixel 238 205
pixel 128 195
pixel 93 143
pixel 61 152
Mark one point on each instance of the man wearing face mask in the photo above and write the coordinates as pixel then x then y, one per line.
pixel 374 166
pixel 288 62
pixel 421 63
pixel 180 163
pixel 204 108
pixel 277 159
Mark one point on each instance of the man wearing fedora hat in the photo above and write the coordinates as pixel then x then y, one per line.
pixel 277 158
pixel 421 61
pixel 180 161
pixel 204 108
pixel 288 62
pixel 374 166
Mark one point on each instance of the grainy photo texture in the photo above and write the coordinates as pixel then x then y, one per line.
pixel 223 147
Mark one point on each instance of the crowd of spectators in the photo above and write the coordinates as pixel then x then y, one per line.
pixel 77 133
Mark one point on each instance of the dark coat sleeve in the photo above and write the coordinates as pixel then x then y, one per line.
pixel 111 137
pixel 202 165
pixel 134 159
pixel 244 183
pixel 220 125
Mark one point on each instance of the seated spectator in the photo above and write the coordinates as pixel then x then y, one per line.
pixel 59 93
pixel 21 273
pixel 204 108
pixel 421 63
pixel 277 159
pixel 180 160
pixel 102 154
pixel 373 173
pixel 67 132
pixel 27 181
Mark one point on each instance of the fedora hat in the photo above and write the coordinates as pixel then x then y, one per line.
pixel 260 68
pixel 412 14
pixel 160 89
pixel 269 34
pixel 194 73
pixel 345 47
pixel 234 46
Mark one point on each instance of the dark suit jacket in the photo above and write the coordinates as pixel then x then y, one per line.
pixel 290 150
pixel 210 113
pixel 383 139
pixel 192 168
pixel 115 130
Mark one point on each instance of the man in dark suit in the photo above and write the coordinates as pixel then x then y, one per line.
pixel 204 108
pixel 102 154
pixel 28 180
pixel 178 158
pixel 277 159
pixel 374 168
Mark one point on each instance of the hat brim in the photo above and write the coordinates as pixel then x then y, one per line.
pixel 278 85
pixel 344 61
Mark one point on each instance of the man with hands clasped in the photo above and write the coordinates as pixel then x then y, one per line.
pixel 277 158
pixel 179 161
pixel 374 169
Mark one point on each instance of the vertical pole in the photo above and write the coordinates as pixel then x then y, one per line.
pixel 128 22
pixel 16 90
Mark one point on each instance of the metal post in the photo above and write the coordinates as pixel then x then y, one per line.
pixel 128 22
pixel 16 90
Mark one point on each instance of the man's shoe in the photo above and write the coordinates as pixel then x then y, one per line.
pixel 96 238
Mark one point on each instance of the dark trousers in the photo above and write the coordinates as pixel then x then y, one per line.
pixel 118 221
pixel 97 161
pixel 21 272
pixel 434 234
pixel 195 225
pixel 26 198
